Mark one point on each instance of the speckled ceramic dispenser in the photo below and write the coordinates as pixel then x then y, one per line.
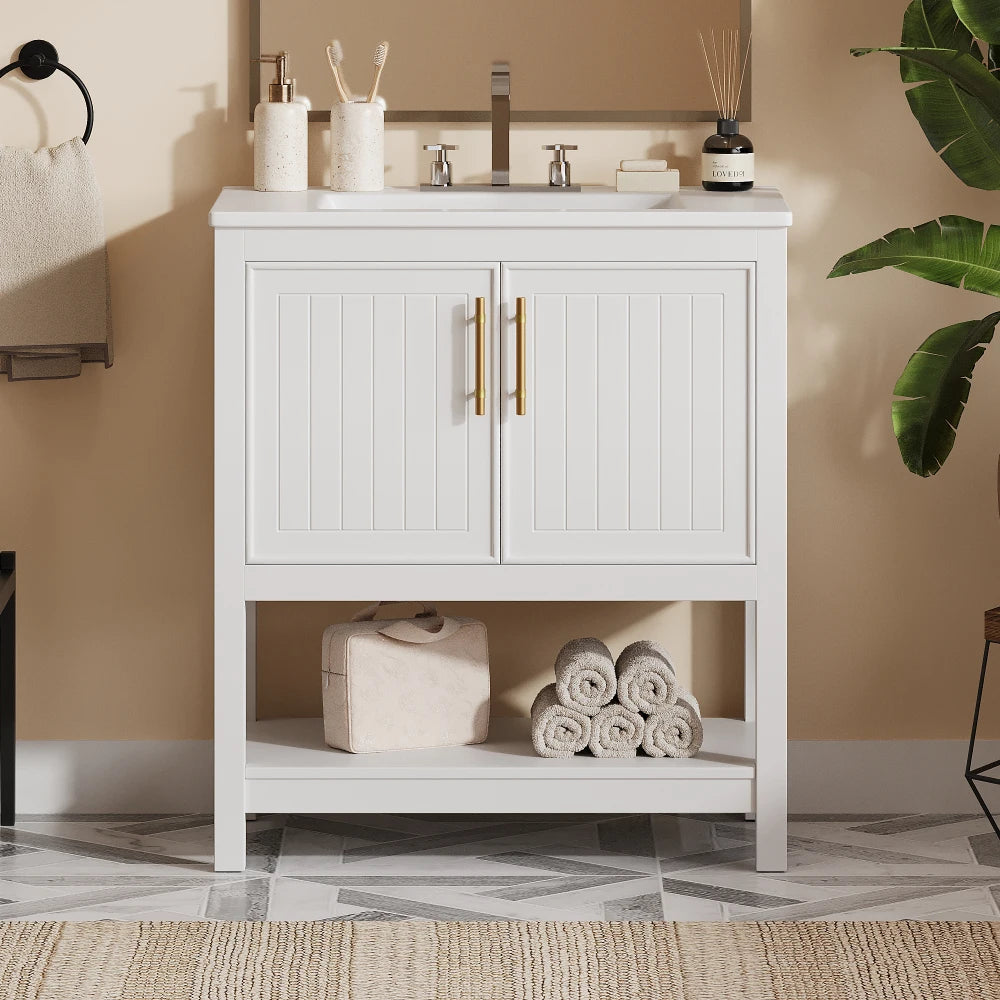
pixel 357 146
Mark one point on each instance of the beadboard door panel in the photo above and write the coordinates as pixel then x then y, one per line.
pixel 363 440
pixel 636 441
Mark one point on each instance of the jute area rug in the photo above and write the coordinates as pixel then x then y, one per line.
pixel 499 961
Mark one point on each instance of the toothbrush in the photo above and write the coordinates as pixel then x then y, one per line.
pixel 379 60
pixel 335 56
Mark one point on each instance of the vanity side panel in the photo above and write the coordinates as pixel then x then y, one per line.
pixel 771 612
pixel 230 607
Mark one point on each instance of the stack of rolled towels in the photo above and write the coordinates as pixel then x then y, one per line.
pixel 615 708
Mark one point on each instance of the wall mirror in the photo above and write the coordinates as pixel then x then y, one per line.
pixel 576 61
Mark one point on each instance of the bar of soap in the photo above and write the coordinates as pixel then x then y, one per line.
pixel 644 166
pixel 648 181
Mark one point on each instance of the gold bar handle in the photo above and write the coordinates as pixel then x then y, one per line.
pixel 521 392
pixel 480 357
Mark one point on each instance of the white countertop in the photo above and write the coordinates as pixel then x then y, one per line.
pixel 594 207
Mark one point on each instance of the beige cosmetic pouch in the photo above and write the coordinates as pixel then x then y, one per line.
pixel 405 683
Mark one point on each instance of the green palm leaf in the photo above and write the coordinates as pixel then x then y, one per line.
pixel 932 24
pixel 957 99
pixel 936 383
pixel 966 71
pixel 957 125
pixel 951 251
pixel 981 17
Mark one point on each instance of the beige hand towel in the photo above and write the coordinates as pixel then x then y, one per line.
pixel 646 677
pixel 674 730
pixel 585 675
pixel 616 732
pixel 54 299
pixel 557 731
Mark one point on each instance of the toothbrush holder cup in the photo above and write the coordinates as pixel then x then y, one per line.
pixel 357 146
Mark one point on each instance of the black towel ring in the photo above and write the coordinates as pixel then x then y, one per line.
pixel 38 60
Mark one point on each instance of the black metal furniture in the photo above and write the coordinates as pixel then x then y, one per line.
pixel 980 773
pixel 8 647
pixel 37 60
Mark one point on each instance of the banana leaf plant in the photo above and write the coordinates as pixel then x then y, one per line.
pixel 949 57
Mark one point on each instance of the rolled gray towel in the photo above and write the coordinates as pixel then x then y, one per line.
pixel 557 731
pixel 646 677
pixel 616 732
pixel 674 730
pixel 585 675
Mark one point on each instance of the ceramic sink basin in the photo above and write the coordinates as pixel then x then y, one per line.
pixel 592 199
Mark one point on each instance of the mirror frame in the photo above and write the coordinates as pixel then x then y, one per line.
pixel 465 117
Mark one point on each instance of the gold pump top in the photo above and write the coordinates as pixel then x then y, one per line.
pixel 282 89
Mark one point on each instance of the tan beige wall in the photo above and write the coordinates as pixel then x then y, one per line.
pixel 105 481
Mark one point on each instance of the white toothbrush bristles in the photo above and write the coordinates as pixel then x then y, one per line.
pixel 381 52
pixel 335 56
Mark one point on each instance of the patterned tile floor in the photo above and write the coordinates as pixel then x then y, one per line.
pixel 499 867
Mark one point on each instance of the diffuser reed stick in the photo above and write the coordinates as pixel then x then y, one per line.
pixel 726 70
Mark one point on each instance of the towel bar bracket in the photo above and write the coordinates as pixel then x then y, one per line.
pixel 37 60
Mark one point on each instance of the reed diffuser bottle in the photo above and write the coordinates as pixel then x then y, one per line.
pixel 726 157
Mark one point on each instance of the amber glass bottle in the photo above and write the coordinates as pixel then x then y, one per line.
pixel 727 159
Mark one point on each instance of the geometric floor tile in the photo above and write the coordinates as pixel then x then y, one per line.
pixel 482 867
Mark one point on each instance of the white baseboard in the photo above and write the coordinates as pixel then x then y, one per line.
pixel 114 776
pixel 884 776
pixel 842 776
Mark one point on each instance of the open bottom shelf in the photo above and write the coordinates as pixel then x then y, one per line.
pixel 290 769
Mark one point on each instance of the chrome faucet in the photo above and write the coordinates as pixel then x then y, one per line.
pixel 500 118
pixel 559 176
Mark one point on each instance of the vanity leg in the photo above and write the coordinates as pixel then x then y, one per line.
pixel 251 661
pixel 251 671
pixel 750 668
pixel 772 796
pixel 8 729
pixel 230 733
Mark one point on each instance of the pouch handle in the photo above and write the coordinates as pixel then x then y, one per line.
pixel 410 630
pixel 368 614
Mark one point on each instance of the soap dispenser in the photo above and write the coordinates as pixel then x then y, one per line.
pixel 281 134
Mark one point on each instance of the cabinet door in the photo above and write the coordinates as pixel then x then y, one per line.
pixel 364 443
pixel 635 444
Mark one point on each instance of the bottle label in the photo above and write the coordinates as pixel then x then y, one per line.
pixel 722 167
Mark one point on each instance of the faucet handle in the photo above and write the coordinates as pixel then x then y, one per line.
pixel 559 167
pixel 440 167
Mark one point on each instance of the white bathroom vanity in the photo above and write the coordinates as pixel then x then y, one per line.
pixel 475 396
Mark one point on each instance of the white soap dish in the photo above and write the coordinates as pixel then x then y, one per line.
pixel 648 180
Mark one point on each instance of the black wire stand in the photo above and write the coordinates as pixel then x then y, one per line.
pixel 8 680
pixel 38 60
pixel 981 773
